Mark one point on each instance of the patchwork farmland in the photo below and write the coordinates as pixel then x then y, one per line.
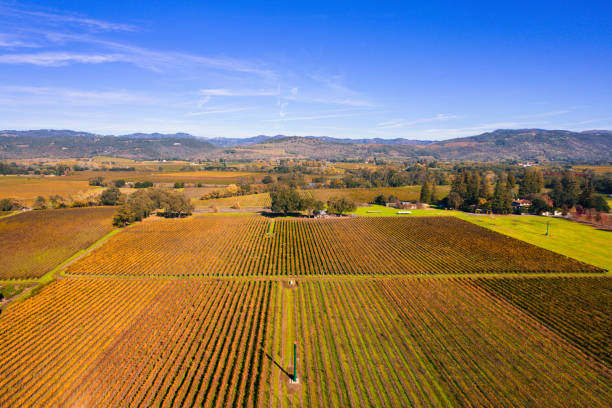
pixel 383 311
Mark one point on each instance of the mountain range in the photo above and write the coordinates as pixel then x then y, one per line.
pixel 502 144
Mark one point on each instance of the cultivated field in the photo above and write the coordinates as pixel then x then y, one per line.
pixel 204 177
pixel 580 309
pixel 583 242
pixel 253 246
pixel 35 242
pixel 377 342
pixel 28 188
pixel 260 200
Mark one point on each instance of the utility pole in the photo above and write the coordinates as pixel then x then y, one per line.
pixel 295 362
pixel 547 227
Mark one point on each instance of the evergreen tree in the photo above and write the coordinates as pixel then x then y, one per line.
pixel 473 188
pixel 425 196
pixel 511 181
pixel 502 199
pixel 531 182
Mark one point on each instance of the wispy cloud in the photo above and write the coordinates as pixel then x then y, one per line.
pixel 58 59
pixel 398 123
pixel 238 92
pixel 56 18
pixel 53 95
pixel 12 41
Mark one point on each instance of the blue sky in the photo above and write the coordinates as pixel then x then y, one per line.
pixel 421 70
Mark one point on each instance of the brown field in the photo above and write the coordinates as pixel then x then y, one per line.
pixel 366 195
pixel 594 169
pixel 204 177
pixel 33 243
pixel 225 343
pixel 236 246
pixel 27 188
pixel 260 200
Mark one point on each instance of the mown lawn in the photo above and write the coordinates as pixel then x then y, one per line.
pixel 387 211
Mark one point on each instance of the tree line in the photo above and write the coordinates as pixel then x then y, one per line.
pixel 473 190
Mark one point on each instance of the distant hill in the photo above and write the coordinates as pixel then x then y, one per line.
pixel 528 144
pixel 65 144
pixel 503 144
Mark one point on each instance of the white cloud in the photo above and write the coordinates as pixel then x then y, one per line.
pixel 57 59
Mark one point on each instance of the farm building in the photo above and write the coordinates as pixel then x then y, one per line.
pixel 521 203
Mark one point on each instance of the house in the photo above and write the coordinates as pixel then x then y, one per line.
pixel 521 203
pixel 406 205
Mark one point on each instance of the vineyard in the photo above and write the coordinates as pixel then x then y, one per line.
pixel 375 342
pixel 243 246
pixel 577 308
pixel 35 242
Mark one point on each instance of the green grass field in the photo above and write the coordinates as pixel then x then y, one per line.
pixel 387 211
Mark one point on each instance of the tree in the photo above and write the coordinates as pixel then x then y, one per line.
pixel 175 205
pixel 286 200
pixel 538 206
pixel 426 193
pixel 511 180
pixel 40 203
pixel 267 180
pixel 454 200
pixel 119 183
pixel 179 184
pixel 532 182
pixel 340 205
pixel 143 202
pixel 110 196
pixel 472 192
pixel 9 204
pixel 231 189
pixel 57 201
pixel 96 181
pixel 502 199
pixel 565 191
pixel 143 184
pixel 380 200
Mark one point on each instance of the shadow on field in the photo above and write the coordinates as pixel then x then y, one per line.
pixel 276 364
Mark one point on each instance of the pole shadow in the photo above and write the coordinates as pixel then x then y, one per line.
pixel 276 364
